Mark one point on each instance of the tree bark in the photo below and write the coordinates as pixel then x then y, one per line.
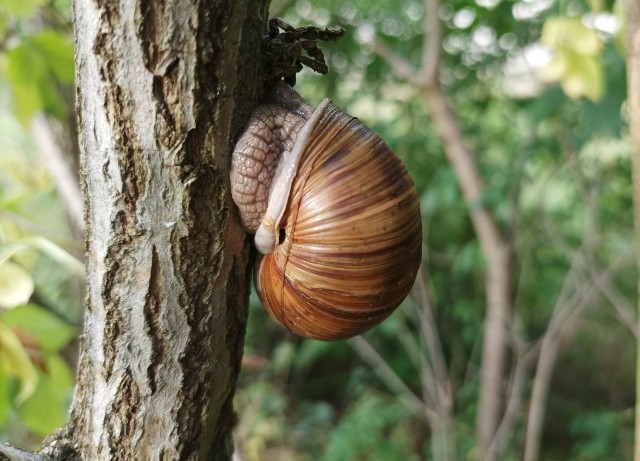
pixel 633 85
pixel 164 88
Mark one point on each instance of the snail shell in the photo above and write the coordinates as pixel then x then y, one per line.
pixel 348 243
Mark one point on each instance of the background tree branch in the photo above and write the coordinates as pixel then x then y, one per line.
pixel 633 98
pixel 496 250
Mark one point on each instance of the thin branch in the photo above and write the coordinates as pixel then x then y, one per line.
pixel 367 353
pixel 569 309
pixel 432 47
pixel 633 84
pixel 569 292
pixel 434 374
pixel 410 344
pixel 544 370
pixel 578 270
pixel 495 249
pixel 66 180
pixel 398 64
pixel 620 303
pixel 518 173
pixel 498 257
pixel 514 402
pixel 560 328
pixel 432 341
pixel 9 453
pixel 280 8
pixel 420 361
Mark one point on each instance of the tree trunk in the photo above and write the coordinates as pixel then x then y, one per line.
pixel 633 98
pixel 164 88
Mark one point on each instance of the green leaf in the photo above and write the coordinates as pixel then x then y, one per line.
pixel 26 73
pixel 310 351
pixel 596 5
pixel 52 333
pixel 60 375
pixel 16 285
pixel 16 362
pixel 33 67
pixel 46 409
pixel 282 356
pixel 4 66
pixel 3 27
pixel 4 397
pixel 57 50
pixel 621 36
pixel 368 431
pixel 22 8
pixel 57 253
pixel 52 101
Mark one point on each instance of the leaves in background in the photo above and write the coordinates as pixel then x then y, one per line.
pixel 52 333
pixel 36 66
pixel 5 402
pixel 21 8
pixel 576 63
pixel 45 410
pixel 16 362
pixel 57 253
pixel 3 27
pixel 16 285
pixel 371 430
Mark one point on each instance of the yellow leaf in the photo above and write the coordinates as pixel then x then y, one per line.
pixel 596 5
pixel 16 285
pixel 555 69
pixel 17 363
pixel 576 64
pixel 584 79
pixel 570 34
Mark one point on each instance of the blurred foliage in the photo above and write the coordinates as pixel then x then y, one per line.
pixel 39 298
pixel 576 63
pixel 36 57
pixel 40 273
pixel 539 88
pixel 33 68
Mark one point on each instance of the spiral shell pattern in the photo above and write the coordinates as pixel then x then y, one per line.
pixel 351 237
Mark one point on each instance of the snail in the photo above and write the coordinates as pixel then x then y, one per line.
pixel 335 214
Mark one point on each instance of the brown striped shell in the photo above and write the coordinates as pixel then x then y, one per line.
pixel 350 237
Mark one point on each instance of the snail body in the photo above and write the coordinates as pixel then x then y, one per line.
pixel 339 225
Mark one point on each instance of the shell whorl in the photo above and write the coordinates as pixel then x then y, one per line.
pixel 352 235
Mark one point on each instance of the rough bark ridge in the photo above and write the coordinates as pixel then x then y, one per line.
pixel 164 88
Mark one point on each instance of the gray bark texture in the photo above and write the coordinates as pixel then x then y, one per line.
pixel 163 90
